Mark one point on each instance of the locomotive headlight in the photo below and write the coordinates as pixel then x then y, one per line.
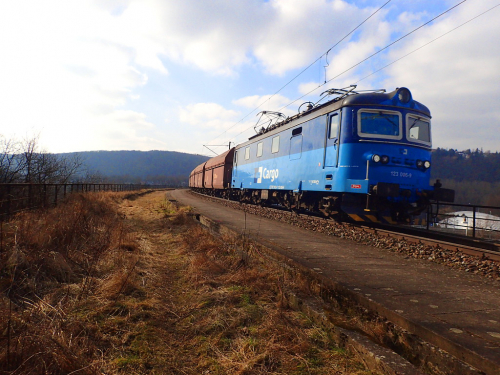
pixel 420 164
pixel 404 95
pixel 376 158
pixel 384 159
pixel 427 164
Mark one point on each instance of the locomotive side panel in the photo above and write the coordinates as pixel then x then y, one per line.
pixel 290 159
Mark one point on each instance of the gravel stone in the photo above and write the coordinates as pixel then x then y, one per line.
pixel 409 249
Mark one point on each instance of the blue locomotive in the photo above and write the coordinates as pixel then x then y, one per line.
pixel 365 155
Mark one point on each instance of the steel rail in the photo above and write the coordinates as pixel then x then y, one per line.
pixel 474 247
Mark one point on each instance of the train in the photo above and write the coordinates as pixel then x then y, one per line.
pixel 361 155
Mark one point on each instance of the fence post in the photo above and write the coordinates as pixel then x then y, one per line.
pixel 30 196
pixel 45 202
pixel 428 216
pixel 474 222
pixel 9 201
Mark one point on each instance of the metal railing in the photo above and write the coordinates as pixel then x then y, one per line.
pixel 19 197
pixel 465 219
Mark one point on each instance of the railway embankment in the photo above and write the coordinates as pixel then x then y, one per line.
pixel 407 246
pixel 442 319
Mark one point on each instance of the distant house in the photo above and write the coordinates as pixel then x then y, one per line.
pixel 465 220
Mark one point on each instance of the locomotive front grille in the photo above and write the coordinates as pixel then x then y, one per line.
pixel 384 189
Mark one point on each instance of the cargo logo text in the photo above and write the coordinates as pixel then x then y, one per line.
pixel 266 174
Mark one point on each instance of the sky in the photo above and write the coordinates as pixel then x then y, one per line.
pixel 192 75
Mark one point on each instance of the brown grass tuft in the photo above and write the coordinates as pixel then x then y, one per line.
pixel 53 263
pixel 122 282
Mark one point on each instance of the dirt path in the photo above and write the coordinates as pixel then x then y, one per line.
pixel 198 307
pixel 150 347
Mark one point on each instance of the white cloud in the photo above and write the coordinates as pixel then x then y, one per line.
pixel 221 35
pixel 210 124
pixel 210 115
pixel 213 36
pixel 301 31
pixel 67 71
pixel 456 77
pixel 309 88
pixel 97 75
pixel 343 66
pixel 263 102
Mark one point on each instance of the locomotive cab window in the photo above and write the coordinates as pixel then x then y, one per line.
pixel 260 147
pixel 418 129
pixel 380 124
pixel 333 130
pixel 275 147
pixel 296 144
pixel 247 153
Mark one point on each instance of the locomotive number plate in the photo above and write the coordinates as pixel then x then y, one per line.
pixel 401 174
pixel 355 186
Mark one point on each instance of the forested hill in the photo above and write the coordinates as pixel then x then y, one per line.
pixel 466 165
pixel 144 166
pixel 446 164
pixel 474 175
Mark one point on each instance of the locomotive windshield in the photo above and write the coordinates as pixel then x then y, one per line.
pixel 379 124
pixel 418 129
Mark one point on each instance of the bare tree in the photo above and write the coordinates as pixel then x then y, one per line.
pixel 10 169
pixel 24 161
pixel 93 177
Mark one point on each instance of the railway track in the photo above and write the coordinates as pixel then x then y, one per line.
pixel 471 255
pixel 473 247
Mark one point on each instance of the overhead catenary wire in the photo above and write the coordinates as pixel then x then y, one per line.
pixel 304 70
pixel 374 54
pixel 426 44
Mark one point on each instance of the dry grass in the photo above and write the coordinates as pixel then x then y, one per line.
pixel 120 284
pixel 56 265
pixel 237 321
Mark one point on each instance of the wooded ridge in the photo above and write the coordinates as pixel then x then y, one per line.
pixel 446 164
pixel 473 174
pixel 466 165
pixel 140 166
